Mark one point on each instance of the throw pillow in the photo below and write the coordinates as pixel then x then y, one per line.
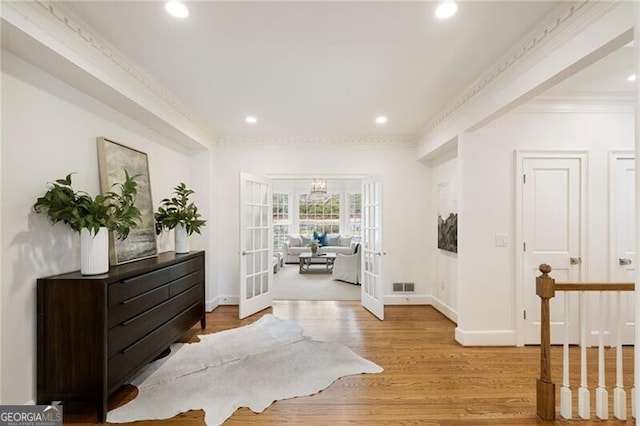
pixel 333 240
pixel 345 241
pixel 305 240
pixel 295 241
pixel 321 238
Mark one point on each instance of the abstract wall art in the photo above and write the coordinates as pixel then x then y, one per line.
pixel 447 218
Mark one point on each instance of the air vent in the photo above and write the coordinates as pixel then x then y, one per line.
pixel 404 287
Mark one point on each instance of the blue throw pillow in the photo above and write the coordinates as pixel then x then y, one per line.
pixel 323 239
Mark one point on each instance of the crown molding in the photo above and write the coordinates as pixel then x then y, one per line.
pixel 331 142
pixel 561 24
pixel 584 102
pixel 59 29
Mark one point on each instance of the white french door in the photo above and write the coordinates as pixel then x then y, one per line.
pixel 372 294
pixel 552 197
pixel 256 244
pixel 623 251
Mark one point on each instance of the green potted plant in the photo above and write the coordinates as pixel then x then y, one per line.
pixel 180 214
pixel 92 217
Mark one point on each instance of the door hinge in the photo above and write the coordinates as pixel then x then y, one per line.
pixel 524 178
pixel 524 314
pixel 524 246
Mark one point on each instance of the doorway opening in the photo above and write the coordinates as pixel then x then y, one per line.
pixel 298 216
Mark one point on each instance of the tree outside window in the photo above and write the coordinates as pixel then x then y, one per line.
pixel 280 220
pixel 355 216
pixel 319 214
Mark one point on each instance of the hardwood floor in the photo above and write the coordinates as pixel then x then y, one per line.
pixel 428 379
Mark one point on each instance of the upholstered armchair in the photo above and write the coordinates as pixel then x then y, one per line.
pixel 346 267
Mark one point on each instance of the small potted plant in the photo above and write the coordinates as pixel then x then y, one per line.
pixel 181 215
pixel 92 217
pixel 315 247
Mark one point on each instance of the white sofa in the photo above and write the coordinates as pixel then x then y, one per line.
pixel 297 244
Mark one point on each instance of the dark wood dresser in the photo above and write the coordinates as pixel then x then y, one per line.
pixel 96 332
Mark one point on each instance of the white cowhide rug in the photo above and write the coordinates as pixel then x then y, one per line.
pixel 250 366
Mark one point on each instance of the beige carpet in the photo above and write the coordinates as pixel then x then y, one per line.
pixel 288 284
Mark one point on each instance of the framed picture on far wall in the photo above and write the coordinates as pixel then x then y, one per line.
pixel 113 160
pixel 447 218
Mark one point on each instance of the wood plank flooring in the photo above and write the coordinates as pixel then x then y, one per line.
pixel 428 379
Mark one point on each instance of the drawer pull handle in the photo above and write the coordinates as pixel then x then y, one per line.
pixel 138 296
pixel 139 342
pixel 158 306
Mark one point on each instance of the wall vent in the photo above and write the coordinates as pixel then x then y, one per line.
pixel 404 287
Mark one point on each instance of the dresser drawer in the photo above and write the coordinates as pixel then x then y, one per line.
pixel 137 304
pixel 127 362
pixel 186 282
pixel 126 289
pixel 128 332
pixel 185 268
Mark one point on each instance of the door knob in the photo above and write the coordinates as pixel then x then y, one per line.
pixel 244 252
pixel 575 260
pixel 623 261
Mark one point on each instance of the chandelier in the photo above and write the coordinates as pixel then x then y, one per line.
pixel 318 187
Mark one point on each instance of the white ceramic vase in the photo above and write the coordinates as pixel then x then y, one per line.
pixel 182 239
pixel 94 252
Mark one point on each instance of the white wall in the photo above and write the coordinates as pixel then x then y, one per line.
pixel 444 275
pixel 201 180
pixel 48 130
pixel 404 203
pixel 487 311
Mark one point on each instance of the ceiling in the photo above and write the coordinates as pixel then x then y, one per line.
pixel 313 68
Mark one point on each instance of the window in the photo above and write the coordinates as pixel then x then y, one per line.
pixel 280 220
pixel 354 223
pixel 319 214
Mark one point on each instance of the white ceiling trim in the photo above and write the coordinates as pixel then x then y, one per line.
pixel 580 103
pixel 363 142
pixel 528 48
pixel 77 43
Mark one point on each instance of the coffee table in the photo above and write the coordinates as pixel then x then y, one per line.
pixel 316 264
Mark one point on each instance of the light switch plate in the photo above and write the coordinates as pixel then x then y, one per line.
pixel 501 240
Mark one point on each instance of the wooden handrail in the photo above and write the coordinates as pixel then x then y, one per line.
pixel 595 287
pixel 545 289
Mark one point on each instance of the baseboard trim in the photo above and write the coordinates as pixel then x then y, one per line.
pixel 444 309
pixel 407 299
pixel 228 300
pixel 210 305
pixel 485 337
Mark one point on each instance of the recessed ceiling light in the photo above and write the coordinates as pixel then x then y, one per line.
pixel 632 77
pixel 251 119
pixel 177 9
pixel 381 120
pixel 446 10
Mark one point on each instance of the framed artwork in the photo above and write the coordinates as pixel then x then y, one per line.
pixel 113 159
pixel 447 218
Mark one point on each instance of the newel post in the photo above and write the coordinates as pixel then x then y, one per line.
pixel 545 388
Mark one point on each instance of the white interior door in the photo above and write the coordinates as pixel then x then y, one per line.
pixel 623 259
pixel 552 197
pixel 372 297
pixel 256 244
